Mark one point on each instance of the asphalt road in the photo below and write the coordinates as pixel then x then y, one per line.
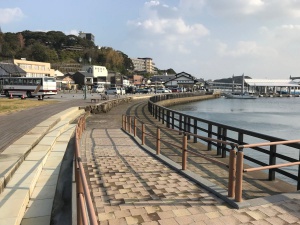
pixel 15 125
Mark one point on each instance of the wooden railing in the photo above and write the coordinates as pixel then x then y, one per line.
pixel 85 209
pixel 235 167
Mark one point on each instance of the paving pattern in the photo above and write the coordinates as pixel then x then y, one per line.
pixel 131 187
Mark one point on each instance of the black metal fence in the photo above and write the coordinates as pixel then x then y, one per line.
pixel 194 125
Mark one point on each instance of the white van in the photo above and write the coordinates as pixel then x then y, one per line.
pixel 115 91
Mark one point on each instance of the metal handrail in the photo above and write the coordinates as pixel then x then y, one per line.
pixel 236 158
pixel 84 200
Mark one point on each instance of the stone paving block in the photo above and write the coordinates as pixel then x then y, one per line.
pixel 47 141
pixel 8 220
pixel 38 130
pixel 47 180
pixel 170 221
pixel 44 192
pixel 15 150
pixel 257 215
pixel 39 207
pixel 28 139
pixel 42 148
pixel 13 207
pixel 41 220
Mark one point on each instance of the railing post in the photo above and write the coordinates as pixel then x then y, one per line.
pixel 143 133
pixel 163 116
pixel 159 115
pixel 134 127
pixel 180 124
pixel 158 141
pixel 123 122
pixel 232 172
pixel 129 125
pixel 195 130
pixel 184 151
pixel 272 161
pixel 209 135
pixel 168 119
pixel 172 120
pixel 219 138
pixel 239 176
pixel 224 136
pixel 189 127
pixel 156 111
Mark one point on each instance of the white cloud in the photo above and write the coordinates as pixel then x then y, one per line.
pixel 245 48
pixel 152 3
pixel 73 32
pixel 10 14
pixel 269 9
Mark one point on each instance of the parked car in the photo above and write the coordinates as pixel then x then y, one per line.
pixel 175 90
pixel 98 89
pixel 130 90
pixel 115 91
pixel 162 90
pixel 142 91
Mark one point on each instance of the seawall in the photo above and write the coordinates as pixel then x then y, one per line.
pixel 177 101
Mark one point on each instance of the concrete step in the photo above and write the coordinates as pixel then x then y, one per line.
pixel 14 155
pixel 39 208
pixel 22 163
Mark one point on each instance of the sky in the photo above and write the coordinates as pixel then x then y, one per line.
pixel 209 39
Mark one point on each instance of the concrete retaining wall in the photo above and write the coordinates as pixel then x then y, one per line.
pixel 177 101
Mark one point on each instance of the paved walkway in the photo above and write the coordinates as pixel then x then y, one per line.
pixel 131 187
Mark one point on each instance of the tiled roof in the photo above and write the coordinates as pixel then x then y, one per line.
pixel 12 69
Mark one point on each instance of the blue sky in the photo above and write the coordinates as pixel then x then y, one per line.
pixel 209 39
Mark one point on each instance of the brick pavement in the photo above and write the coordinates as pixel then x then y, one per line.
pixel 131 187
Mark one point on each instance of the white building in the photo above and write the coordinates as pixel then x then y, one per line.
pixel 97 71
pixel 143 65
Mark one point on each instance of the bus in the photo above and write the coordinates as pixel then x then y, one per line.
pixel 28 86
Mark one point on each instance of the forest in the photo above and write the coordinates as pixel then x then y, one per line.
pixel 57 47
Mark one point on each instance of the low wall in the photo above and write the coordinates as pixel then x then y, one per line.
pixel 106 106
pixel 177 101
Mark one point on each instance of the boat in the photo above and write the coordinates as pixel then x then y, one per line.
pixel 244 95
pixel 240 95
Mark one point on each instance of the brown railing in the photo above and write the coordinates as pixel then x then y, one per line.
pixel 85 209
pixel 235 166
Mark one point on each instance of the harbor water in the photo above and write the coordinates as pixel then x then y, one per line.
pixel 277 117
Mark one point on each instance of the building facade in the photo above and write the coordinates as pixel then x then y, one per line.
pixel 143 65
pixel 35 69
pixel 87 36
pixel 96 71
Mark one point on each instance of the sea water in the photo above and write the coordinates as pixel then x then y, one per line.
pixel 278 117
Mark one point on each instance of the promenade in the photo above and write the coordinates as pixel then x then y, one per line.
pixel 130 186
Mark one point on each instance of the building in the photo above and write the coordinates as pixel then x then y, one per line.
pixel 35 69
pixel 183 80
pixel 11 70
pixel 143 65
pixel 87 36
pixel 96 71
pixel 82 78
